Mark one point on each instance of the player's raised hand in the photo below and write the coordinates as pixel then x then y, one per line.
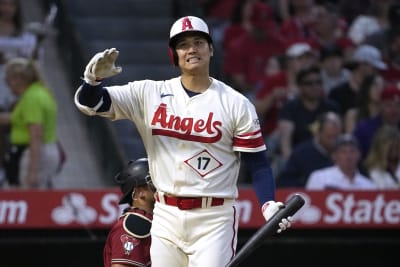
pixel 270 208
pixel 101 66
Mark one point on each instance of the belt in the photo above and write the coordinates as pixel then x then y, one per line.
pixel 188 203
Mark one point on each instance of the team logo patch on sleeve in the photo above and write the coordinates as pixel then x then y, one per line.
pixel 129 243
pixel 256 123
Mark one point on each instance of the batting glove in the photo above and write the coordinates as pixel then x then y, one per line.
pixel 102 66
pixel 270 208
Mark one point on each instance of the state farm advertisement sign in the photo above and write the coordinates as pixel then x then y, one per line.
pixel 350 210
pixel 59 209
pixel 99 209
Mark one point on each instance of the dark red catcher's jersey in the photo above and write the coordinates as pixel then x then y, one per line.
pixel 128 241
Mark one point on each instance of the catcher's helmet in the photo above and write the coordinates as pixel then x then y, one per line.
pixel 184 25
pixel 135 174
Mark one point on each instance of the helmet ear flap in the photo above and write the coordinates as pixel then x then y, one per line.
pixel 173 56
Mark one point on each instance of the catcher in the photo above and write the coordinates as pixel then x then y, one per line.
pixel 128 242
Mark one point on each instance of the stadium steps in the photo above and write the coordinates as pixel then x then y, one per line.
pixel 139 29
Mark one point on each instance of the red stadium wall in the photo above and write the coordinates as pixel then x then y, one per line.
pixel 98 209
pixel 67 228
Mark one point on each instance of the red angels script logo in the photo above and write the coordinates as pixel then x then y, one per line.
pixel 183 128
pixel 186 24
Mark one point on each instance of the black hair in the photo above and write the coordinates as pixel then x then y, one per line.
pixel 330 51
pixel 236 15
pixel 307 71
pixel 362 98
pixel 174 40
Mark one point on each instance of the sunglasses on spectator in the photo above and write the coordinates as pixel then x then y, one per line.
pixel 312 82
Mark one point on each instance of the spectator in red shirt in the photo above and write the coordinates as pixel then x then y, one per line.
pixel 218 9
pixel 299 26
pixel 278 88
pixel 328 30
pixel 238 26
pixel 247 58
pixel 240 23
pixel 275 91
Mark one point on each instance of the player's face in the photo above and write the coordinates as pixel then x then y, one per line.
pixel 145 194
pixel 194 52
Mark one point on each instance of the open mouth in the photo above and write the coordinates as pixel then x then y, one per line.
pixel 193 60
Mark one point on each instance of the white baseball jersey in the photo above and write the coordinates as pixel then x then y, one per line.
pixel 192 143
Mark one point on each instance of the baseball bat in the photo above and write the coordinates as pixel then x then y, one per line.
pixel 289 209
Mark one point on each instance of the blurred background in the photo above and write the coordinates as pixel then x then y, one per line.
pixel 267 50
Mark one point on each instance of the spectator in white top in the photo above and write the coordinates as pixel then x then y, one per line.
pixel 344 174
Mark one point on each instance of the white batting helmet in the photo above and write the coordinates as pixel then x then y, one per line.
pixel 188 24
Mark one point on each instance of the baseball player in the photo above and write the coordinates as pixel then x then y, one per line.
pixel 128 243
pixel 196 130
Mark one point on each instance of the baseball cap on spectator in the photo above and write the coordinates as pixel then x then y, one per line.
pixel 298 49
pixel 369 54
pixel 346 139
pixel 261 15
pixel 391 92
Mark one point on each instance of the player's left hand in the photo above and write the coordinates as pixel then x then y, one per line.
pixel 270 208
pixel 102 66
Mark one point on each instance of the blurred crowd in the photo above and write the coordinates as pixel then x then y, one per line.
pixel 324 77
pixel 30 153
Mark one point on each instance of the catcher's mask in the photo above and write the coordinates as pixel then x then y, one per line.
pixel 185 25
pixel 135 174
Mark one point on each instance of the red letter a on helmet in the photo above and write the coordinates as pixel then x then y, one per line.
pixel 186 24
